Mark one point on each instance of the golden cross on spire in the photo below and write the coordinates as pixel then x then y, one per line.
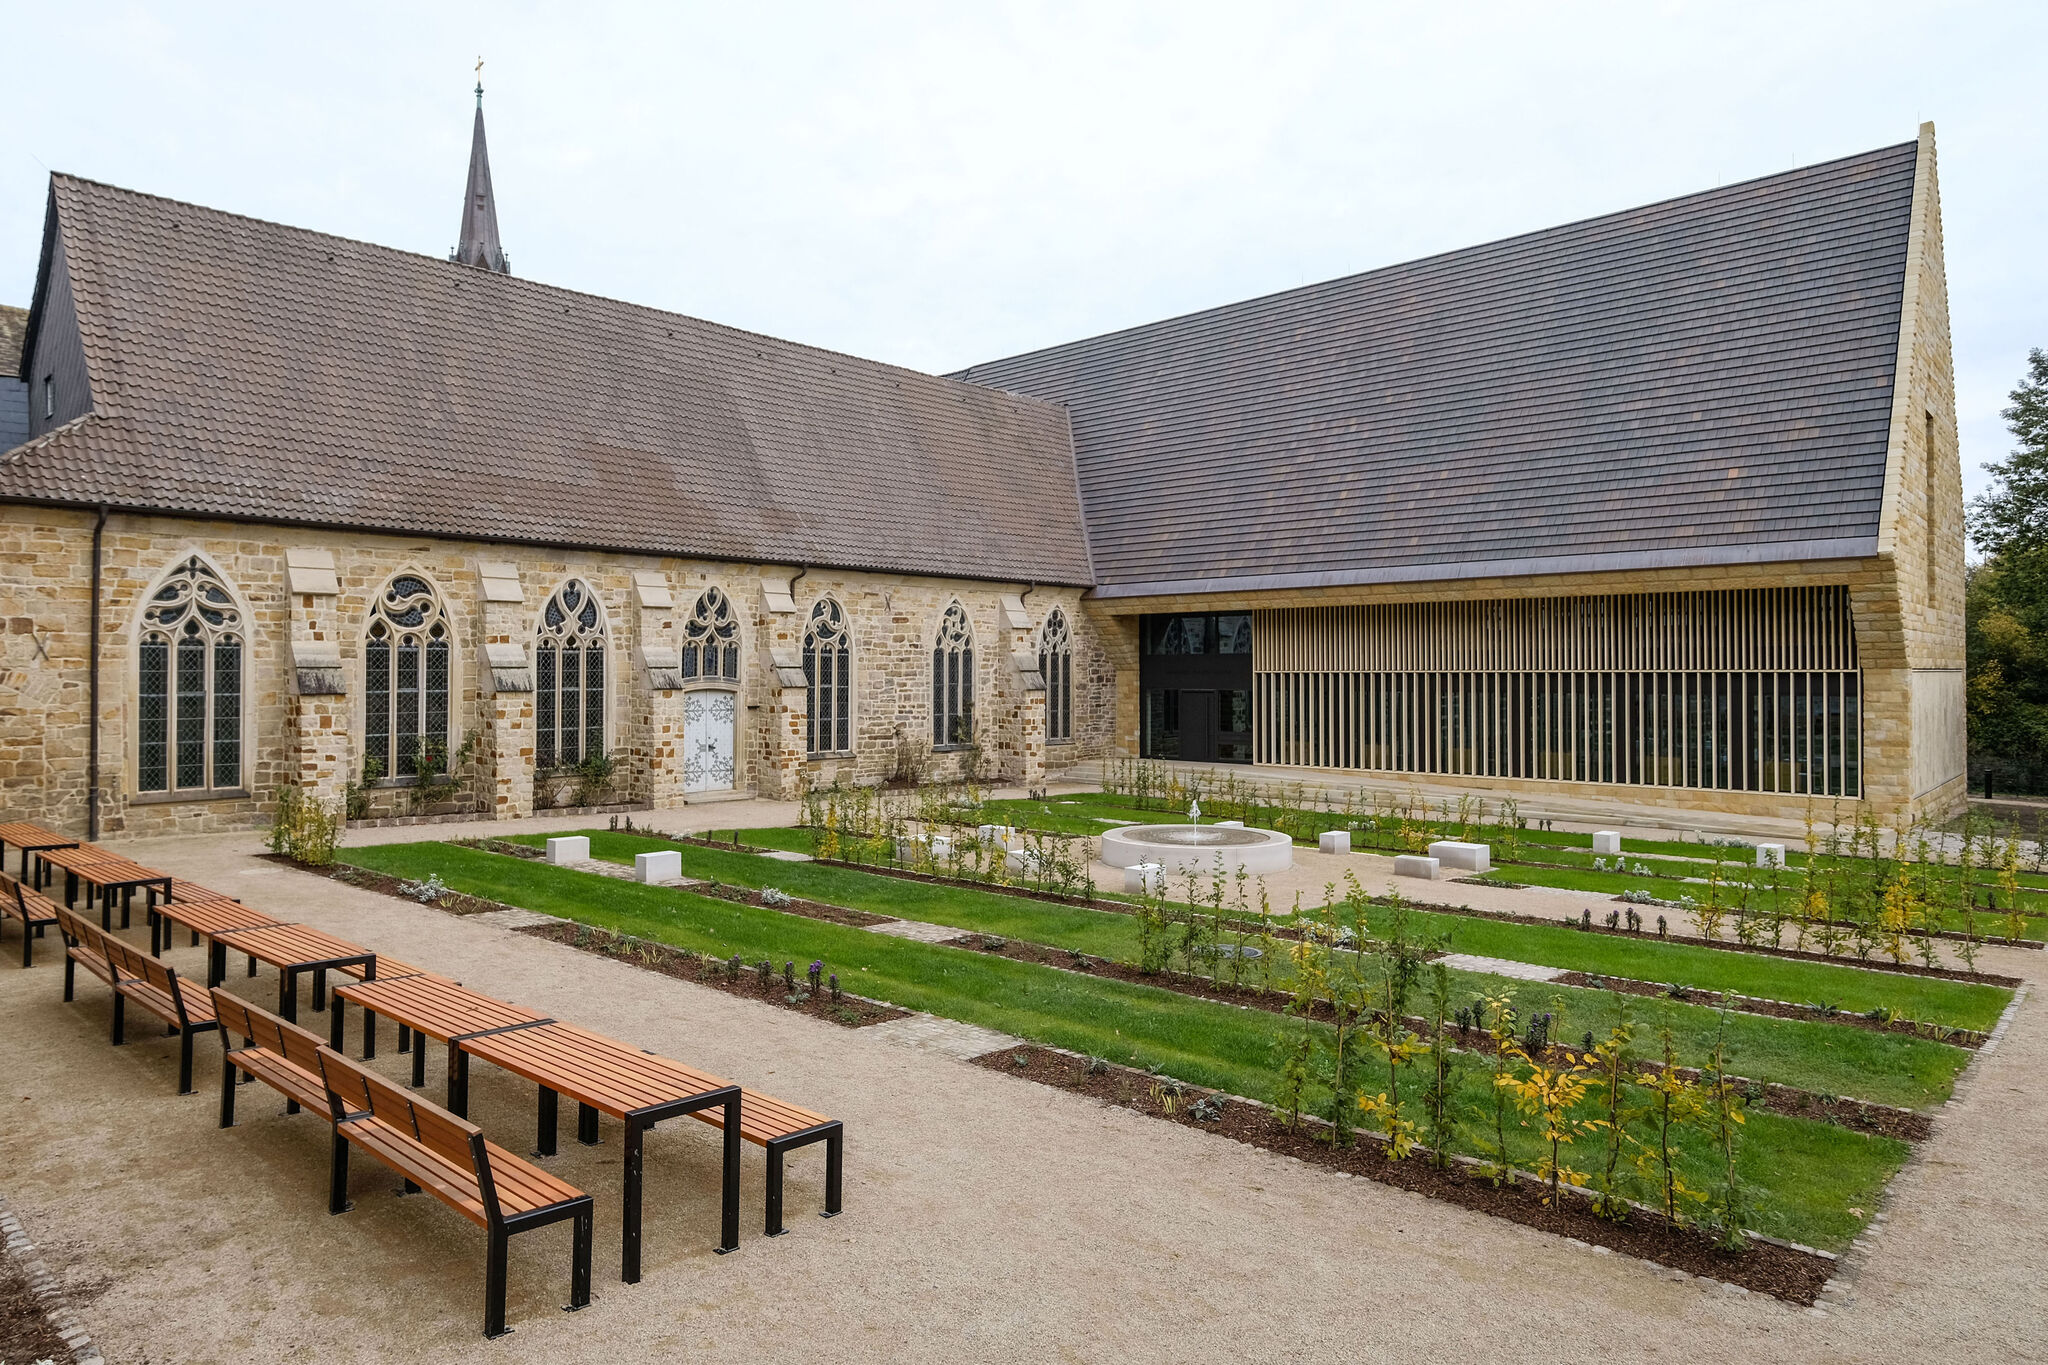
pixel 479 69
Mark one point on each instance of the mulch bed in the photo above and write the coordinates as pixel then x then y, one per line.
pixel 1767 1267
pixel 1776 1009
pixel 850 1011
pixel 1880 1119
pixel 25 1330
pixel 835 914
pixel 454 902
pixel 1732 946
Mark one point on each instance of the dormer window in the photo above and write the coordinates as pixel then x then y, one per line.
pixel 49 396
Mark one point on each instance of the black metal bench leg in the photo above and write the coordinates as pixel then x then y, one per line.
pixel 337 1026
pixel 337 1179
pixel 319 989
pixel 419 1062
pixel 629 1240
pixel 404 1039
pixel 70 976
pixel 227 1086
pixel 458 1081
pixel 586 1125
pixel 185 1061
pixel 579 1263
pixel 252 967
pixel 544 1128
pixel 774 1226
pixel 156 935
pixel 494 1285
pixel 729 1216
pixel 120 1018
pixel 369 1030
pixel 127 904
pixel 835 1167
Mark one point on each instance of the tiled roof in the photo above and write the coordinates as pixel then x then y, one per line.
pixel 13 327
pixel 1702 380
pixel 245 369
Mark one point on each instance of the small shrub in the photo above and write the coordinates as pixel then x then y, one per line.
pixel 775 899
pixel 428 892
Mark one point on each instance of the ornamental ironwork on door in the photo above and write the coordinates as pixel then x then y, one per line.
pixel 708 748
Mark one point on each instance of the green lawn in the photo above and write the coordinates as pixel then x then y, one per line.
pixel 1806 1176
pixel 1953 1004
pixel 1813 1055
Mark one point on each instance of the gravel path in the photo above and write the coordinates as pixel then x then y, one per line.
pixel 987 1219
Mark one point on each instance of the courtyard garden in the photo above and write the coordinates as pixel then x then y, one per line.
pixel 1696 1102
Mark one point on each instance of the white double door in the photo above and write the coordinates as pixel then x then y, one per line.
pixel 709 720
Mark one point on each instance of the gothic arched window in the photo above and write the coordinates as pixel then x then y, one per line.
pixel 711 639
pixel 405 679
pixel 953 680
pixel 189 675
pixel 568 678
pixel 828 680
pixel 1056 663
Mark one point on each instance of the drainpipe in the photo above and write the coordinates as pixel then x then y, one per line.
pixel 92 752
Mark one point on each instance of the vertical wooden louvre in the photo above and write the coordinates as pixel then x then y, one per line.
pixel 1755 690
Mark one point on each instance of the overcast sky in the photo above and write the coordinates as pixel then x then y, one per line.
pixel 939 184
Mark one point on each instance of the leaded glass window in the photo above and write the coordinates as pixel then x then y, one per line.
pixel 953 680
pixel 1056 663
pixel 189 684
pixel 406 672
pixel 711 639
pixel 569 678
pixel 828 680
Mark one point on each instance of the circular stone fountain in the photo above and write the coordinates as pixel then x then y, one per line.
pixel 1195 848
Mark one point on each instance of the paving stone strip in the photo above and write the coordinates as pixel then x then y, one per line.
pixel 1500 966
pixel 918 929
pixel 515 918
pixel 44 1286
pixel 948 1037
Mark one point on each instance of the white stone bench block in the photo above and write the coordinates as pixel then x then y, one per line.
pixel 665 866
pixel 1607 841
pixel 1334 841
pixel 1770 855
pixel 1465 857
pixel 996 835
pixel 1144 879
pixel 942 846
pixel 572 848
pixel 1415 865
pixel 1230 824
pixel 1022 860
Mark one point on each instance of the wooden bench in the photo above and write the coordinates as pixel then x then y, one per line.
pixel 84 946
pixel 135 975
pixel 448 1158
pixel 36 912
pixel 274 1051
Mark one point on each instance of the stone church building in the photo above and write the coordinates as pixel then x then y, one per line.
pixel 1660 509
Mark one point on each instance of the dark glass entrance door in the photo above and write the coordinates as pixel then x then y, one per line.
pixel 1197 725
pixel 1195 687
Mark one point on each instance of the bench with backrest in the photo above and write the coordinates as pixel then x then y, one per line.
pixel 274 1051
pixel 84 946
pixel 36 912
pixel 435 1151
pixel 135 975
pixel 185 1007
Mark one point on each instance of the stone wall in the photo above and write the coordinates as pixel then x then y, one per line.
pixel 316 739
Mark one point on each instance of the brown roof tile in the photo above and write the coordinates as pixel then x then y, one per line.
pixel 245 369
pixel 1704 380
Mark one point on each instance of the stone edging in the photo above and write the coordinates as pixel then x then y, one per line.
pixel 43 1285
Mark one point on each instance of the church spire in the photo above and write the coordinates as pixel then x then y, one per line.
pixel 478 245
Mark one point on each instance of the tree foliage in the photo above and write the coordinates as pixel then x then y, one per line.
pixel 2007 596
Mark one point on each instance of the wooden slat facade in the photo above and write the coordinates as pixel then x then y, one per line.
pixel 1754 690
